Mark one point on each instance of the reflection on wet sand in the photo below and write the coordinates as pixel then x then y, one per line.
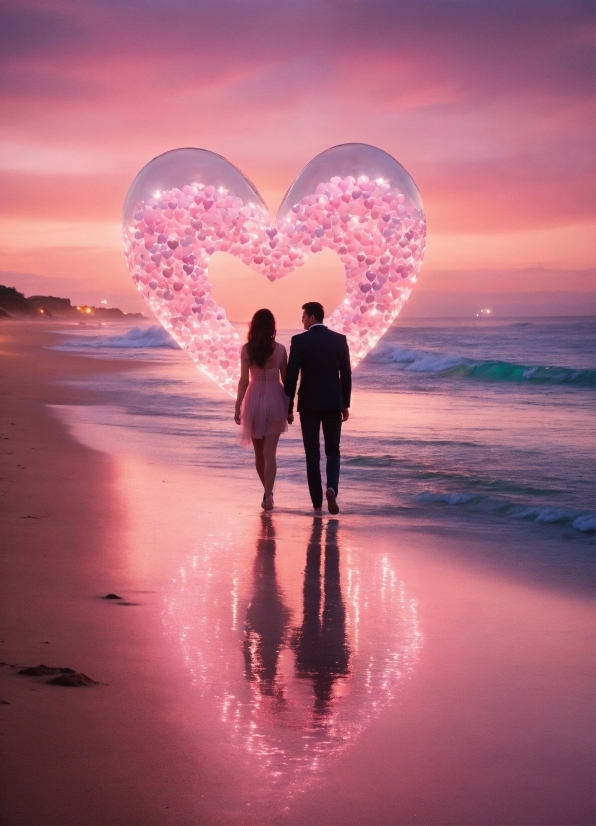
pixel 297 640
pixel 267 619
pixel 322 653
pixel 320 644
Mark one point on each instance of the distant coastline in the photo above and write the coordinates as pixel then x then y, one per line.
pixel 14 304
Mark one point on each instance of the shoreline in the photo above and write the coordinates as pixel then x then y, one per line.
pixel 45 506
pixel 490 724
pixel 58 744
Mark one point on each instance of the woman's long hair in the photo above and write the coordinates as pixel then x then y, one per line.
pixel 260 341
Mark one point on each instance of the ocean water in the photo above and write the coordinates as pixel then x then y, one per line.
pixel 485 421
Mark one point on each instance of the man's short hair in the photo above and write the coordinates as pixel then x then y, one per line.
pixel 315 309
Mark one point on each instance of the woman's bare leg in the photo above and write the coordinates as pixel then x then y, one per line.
pixel 259 459
pixel 270 461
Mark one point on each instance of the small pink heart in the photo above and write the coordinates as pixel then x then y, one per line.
pixel 353 198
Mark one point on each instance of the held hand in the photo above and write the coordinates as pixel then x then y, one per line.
pixel 345 414
pixel 237 416
pixel 290 418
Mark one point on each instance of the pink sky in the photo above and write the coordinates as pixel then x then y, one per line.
pixel 488 105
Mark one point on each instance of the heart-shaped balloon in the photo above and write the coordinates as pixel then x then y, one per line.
pixel 189 203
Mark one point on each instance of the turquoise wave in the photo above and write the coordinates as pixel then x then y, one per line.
pixel 451 366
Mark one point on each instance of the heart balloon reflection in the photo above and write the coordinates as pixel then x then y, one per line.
pixel 297 657
pixel 189 203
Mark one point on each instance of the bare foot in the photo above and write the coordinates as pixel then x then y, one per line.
pixel 331 501
pixel 263 501
pixel 269 502
pixel 318 511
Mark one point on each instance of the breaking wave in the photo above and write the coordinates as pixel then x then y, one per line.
pixel 567 517
pixel 446 365
pixel 137 337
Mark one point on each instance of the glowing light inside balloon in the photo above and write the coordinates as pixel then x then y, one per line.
pixel 189 203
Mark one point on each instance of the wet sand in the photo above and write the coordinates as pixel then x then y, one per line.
pixel 108 754
pixel 266 670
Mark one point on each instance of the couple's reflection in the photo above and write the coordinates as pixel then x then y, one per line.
pixel 322 654
pixel 267 618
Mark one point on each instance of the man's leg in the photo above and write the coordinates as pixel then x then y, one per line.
pixel 310 424
pixel 332 433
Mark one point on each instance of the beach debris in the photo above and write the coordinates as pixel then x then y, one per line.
pixel 60 676
pixel 122 601
pixel 44 671
pixel 29 517
pixel 75 680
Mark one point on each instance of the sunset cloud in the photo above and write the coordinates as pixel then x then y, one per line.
pixel 489 105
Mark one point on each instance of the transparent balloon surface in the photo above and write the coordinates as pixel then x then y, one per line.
pixel 181 208
pixel 360 202
pixel 189 203
pixel 351 160
pixel 179 167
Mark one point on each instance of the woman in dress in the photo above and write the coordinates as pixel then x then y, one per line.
pixel 261 404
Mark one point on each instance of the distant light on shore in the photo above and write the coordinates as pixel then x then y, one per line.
pixel 483 312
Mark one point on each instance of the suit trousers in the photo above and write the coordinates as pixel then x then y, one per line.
pixel 310 424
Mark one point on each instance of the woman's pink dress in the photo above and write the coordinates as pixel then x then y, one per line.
pixel 264 408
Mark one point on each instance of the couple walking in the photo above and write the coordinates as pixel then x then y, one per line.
pixel 266 390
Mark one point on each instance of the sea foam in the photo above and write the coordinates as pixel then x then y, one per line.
pixel 584 522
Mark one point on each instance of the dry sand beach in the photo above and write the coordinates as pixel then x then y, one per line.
pixel 265 670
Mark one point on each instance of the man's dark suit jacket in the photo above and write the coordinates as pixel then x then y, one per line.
pixel 323 359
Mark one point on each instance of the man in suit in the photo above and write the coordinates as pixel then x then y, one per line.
pixel 322 359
